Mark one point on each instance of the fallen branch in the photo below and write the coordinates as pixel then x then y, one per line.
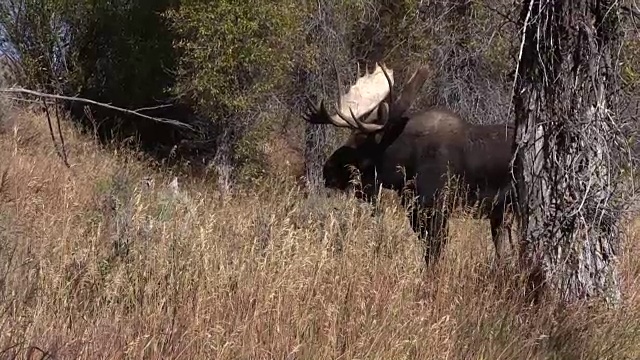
pixel 93 102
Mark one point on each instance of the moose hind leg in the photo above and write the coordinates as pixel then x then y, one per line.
pixel 496 221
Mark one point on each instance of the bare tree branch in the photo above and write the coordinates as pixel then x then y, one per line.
pixel 93 102
pixel 630 11
pixel 154 107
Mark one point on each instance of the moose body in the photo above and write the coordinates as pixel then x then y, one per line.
pixel 414 154
pixel 479 157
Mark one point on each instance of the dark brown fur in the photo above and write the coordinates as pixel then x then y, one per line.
pixel 425 147
pixel 413 156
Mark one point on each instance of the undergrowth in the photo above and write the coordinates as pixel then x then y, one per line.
pixel 106 259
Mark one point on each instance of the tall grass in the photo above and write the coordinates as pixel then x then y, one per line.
pixel 107 260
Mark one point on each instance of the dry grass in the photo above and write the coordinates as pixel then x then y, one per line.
pixel 103 260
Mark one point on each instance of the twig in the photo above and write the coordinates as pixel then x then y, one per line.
pixel 89 115
pixel 630 11
pixel 31 351
pixel 11 98
pixel 93 102
pixel 502 14
pixel 53 138
pixel 64 151
pixel 6 350
pixel 154 107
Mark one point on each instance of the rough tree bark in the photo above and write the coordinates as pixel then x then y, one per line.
pixel 566 141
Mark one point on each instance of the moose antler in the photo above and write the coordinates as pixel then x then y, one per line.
pixel 398 106
pixel 365 102
pixel 365 96
pixel 409 92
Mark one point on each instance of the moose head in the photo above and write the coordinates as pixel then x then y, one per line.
pixel 370 110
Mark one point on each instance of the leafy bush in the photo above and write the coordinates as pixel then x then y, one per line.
pixel 120 51
pixel 234 53
pixel 31 29
pixel 236 57
pixel 114 51
pixel 389 31
pixel 117 51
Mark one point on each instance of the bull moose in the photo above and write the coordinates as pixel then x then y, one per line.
pixel 415 153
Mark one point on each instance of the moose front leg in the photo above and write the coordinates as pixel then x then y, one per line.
pixel 369 191
pixel 437 235
pixel 416 219
pixel 434 211
pixel 431 227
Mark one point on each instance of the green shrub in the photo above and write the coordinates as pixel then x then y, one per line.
pixel 234 53
pixel 236 60
pixel 630 68
pixel 120 51
pixel 31 28
pixel 389 31
pixel 116 51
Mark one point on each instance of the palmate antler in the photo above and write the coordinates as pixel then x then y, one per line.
pixel 365 96
pixel 365 102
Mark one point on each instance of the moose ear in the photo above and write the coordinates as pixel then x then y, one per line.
pixel 410 92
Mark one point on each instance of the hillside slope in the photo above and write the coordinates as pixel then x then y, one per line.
pixel 107 259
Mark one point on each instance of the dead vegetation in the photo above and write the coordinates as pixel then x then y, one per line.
pixel 106 259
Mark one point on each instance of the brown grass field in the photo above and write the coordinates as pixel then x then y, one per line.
pixel 104 261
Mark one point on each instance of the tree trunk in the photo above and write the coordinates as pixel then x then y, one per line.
pixel 566 143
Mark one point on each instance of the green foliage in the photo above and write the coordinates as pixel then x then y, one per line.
pixel 116 51
pixel 630 68
pixel 234 53
pixel 121 50
pixel 387 30
pixel 31 29
pixel 236 57
pixel 495 40
pixel 248 155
